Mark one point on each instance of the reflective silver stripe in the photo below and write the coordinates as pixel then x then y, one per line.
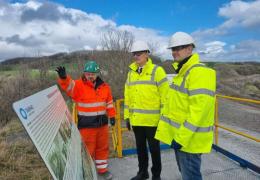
pixel 126 107
pixel 91 113
pixel 169 121
pixel 182 88
pixel 201 91
pixel 142 82
pixel 162 81
pixel 192 92
pixel 71 85
pixel 92 104
pixel 110 102
pixel 129 77
pixel 110 106
pixel 188 72
pixel 153 72
pixel 144 111
pixel 103 166
pixel 149 82
pixel 178 88
pixel 197 128
pixel 100 161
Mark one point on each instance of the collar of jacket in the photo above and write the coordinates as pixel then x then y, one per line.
pixel 134 66
pixel 194 59
pixel 98 82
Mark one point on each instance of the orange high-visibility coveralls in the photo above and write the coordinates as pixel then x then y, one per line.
pixel 94 104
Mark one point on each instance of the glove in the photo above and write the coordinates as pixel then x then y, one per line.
pixel 61 72
pixel 175 145
pixel 112 121
pixel 128 125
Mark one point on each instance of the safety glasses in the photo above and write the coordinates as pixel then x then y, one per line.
pixel 178 48
pixel 138 53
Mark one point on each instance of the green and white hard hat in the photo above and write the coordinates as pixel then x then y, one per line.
pixel 91 66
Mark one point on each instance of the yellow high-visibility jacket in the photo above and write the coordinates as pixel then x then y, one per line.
pixel 188 114
pixel 144 94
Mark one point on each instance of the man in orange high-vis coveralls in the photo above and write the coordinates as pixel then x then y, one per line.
pixel 94 103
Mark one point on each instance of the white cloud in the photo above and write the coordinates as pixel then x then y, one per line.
pixel 27 30
pixel 213 48
pixel 86 47
pixel 243 51
pixel 241 18
pixel 157 42
pixel 239 13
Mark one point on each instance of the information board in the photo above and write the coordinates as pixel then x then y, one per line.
pixel 47 120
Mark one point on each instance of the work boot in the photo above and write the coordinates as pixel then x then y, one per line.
pixel 107 175
pixel 141 176
pixel 156 178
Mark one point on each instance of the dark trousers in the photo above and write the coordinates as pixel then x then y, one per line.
pixel 143 133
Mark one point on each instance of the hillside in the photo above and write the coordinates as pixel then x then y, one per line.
pixel 22 77
pixel 235 79
pixel 239 79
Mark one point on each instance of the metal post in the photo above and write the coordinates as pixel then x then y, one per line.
pixel 119 131
pixel 216 121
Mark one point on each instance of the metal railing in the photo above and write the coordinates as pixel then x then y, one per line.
pixel 118 130
pixel 217 125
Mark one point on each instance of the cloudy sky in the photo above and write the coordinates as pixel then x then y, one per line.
pixel 224 30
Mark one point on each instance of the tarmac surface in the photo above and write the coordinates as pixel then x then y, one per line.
pixel 215 166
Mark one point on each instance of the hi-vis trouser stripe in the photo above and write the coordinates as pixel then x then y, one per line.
pixel 187 125
pixel 101 164
pixel 194 91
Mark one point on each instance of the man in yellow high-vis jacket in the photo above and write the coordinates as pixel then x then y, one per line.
pixel 188 114
pixel 145 89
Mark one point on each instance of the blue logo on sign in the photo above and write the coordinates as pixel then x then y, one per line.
pixel 23 113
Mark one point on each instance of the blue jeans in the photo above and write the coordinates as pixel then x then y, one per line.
pixel 189 165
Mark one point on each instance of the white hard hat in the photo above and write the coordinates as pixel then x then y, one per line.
pixel 140 46
pixel 180 39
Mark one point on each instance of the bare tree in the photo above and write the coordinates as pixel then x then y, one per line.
pixel 153 47
pixel 117 40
